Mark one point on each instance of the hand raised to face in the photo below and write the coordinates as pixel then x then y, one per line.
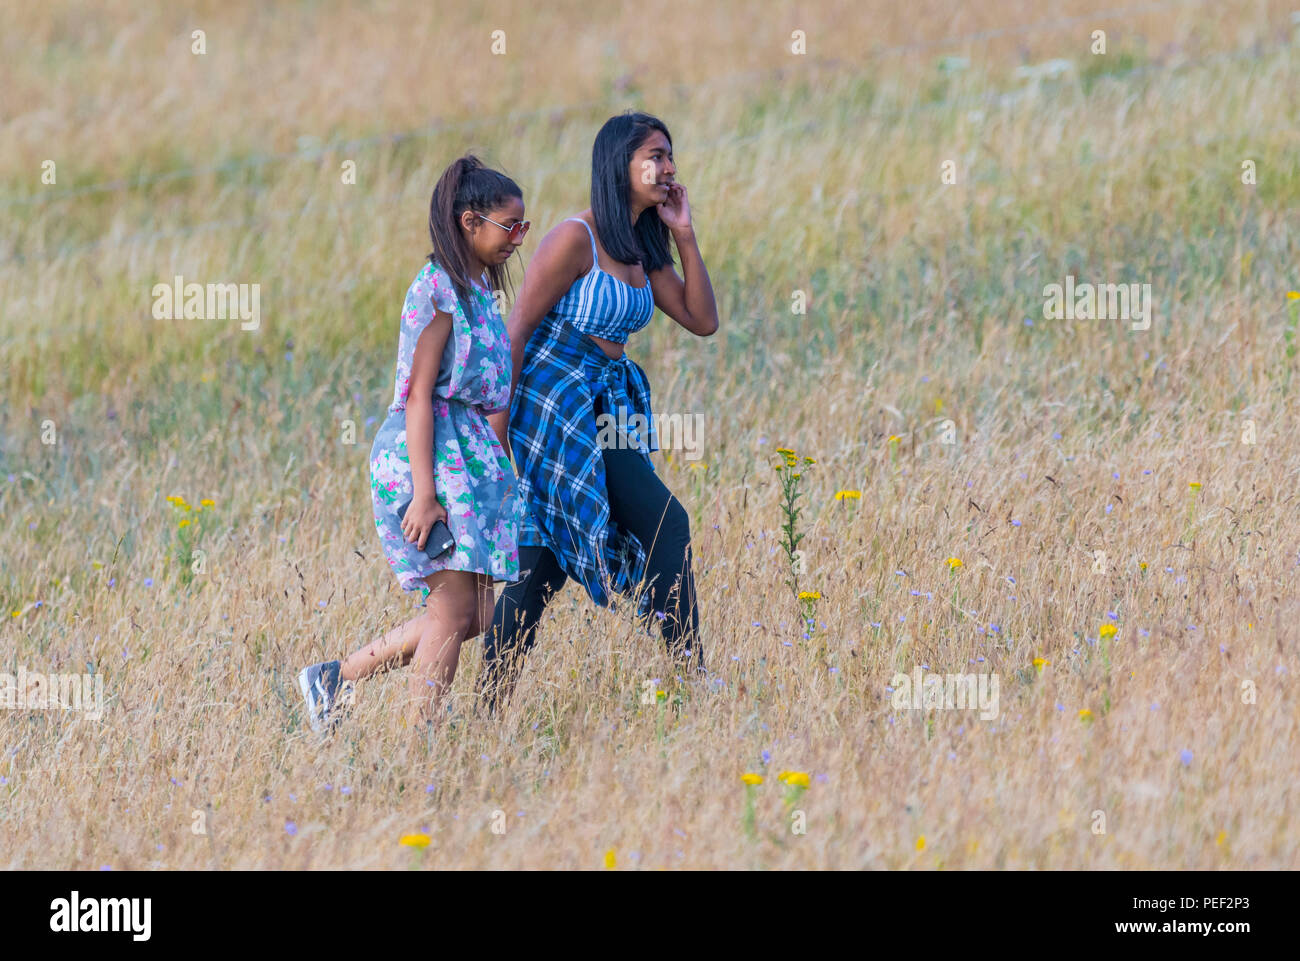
pixel 676 210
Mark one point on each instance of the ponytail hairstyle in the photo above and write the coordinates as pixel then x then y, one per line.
pixel 466 185
pixel 646 242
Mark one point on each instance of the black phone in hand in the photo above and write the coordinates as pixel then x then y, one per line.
pixel 439 541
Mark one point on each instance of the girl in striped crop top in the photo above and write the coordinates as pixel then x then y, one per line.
pixel 597 511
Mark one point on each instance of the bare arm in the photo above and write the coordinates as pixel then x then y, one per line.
pixel 561 259
pixel 426 359
pixel 690 302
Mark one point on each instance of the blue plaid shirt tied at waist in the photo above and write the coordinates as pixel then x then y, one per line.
pixel 556 445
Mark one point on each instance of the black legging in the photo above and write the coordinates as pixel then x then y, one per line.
pixel 640 503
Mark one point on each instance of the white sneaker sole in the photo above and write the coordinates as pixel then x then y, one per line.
pixel 305 687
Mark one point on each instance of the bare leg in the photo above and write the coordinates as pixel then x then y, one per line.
pixel 397 647
pixel 451 605
pixel 394 649
pixel 485 595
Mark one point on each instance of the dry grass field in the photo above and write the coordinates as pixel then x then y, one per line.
pixel 1123 502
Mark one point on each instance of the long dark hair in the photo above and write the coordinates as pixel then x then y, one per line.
pixel 466 185
pixel 646 242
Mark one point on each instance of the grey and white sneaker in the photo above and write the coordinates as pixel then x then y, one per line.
pixel 320 687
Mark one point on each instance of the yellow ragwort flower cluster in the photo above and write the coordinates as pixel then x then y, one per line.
pixel 791 458
pixel 182 504
pixel 185 505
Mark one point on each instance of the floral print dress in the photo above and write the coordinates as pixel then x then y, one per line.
pixel 472 475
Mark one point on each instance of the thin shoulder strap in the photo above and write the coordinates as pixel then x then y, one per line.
pixel 594 260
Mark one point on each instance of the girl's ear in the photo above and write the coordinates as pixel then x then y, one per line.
pixel 467 220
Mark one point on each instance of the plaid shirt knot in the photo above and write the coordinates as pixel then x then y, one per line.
pixel 555 440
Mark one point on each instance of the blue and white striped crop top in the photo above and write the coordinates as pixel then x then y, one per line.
pixel 600 304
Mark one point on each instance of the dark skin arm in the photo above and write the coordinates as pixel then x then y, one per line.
pixel 425 509
pixel 690 302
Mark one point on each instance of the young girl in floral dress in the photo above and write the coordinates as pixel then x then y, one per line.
pixel 436 449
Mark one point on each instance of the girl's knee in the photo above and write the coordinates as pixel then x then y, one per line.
pixel 449 616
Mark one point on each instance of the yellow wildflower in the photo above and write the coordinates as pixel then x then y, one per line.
pixel 1085 714
pixel 1293 295
pixel 1223 836
pixel 207 502
pixel 954 563
pixel 1040 663
pixel 185 522
pixel 1194 485
pixel 920 843
pixel 809 460
pixel 1107 630
pixel 752 778
pixel 794 778
pixel 848 495
pixel 1142 565
pixel 420 840
pixel 610 860
pixel 895 439
pixel 810 595
pixel 784 450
